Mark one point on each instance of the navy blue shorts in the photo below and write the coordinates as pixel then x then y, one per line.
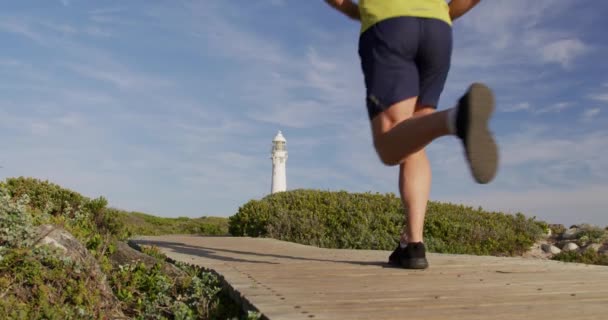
pixel 405 57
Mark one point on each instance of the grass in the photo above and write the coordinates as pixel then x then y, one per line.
pixel 142 224
pixel 40 282
pixel 373 221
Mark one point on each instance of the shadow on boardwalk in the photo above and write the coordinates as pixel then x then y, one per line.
pixel 216 253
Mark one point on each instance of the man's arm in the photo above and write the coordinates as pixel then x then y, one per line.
pixel 347 7
pixel 459 7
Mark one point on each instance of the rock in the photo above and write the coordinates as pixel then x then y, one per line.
pixel 124 254
pixel 549 248
pixel 536 252
pixel 570 234
pixel 570 246
pixel 59 238
pixel 562 243
pixel 594 246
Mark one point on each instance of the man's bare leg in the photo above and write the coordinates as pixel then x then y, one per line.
pixel 398 133
pixel 418 126
pixel 415 187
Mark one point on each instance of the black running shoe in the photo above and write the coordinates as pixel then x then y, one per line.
pixel 395 258
pixel 413 256
pixel 474 111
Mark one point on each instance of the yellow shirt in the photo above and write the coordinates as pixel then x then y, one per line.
pixel 374 11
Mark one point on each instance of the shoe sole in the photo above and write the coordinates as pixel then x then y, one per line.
pixel 394 263
pixel 481 148
pixel 415 263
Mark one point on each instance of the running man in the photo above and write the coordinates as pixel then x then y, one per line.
pixel 405 47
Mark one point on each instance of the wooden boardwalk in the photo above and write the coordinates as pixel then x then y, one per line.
pixel 284 280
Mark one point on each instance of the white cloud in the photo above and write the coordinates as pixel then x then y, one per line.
pixel 602 97
pixel 8 62
pixel 555 108
pixel 586 203
pixel 590 114
pixel 224 37
pixel 61 28
pixel 517 107
pixel 531 157
pixel 97 31
pixel 563 51
pixel 39 128
pixel 517 35
pixel 119 75
pixel 298 114
pixel 21 27
pixel 275 77
pixel 525 106
pixel 542 145
pixel 72 120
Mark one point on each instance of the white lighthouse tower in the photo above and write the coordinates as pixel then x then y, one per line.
pixel 279 159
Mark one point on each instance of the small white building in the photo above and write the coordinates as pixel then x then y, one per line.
pixel 279 160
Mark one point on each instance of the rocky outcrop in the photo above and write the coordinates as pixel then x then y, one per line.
pixel 125 254
pixel 570 246
pixel 596 247
pixel 577 238
pixel 61 239
pixel 570 234
pixel 549 248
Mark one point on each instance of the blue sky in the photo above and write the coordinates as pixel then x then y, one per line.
pixel 170 107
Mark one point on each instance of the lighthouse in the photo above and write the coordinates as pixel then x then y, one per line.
pixel 279 159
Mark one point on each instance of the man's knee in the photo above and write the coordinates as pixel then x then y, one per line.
pixel 386 155
pixel 390 157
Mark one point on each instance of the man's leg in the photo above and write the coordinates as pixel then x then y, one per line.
pixel 418 127
pixel 401 133
pixel 398 133
pixel 415 187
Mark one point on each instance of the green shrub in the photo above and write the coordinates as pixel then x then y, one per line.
pixel 587 257
pixel 150 294
pixel 39 283
pixel 325 219
pixel 153 251
pixel 45 196
pixel 110 221
pixel 136 223
pixel 46 286
pixel 373 221
pixel 557 229
pixel 460 229
pixel 49 203
pixel 16 224
pixel 591 234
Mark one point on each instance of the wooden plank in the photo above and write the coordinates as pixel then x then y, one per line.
pixel 290 281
